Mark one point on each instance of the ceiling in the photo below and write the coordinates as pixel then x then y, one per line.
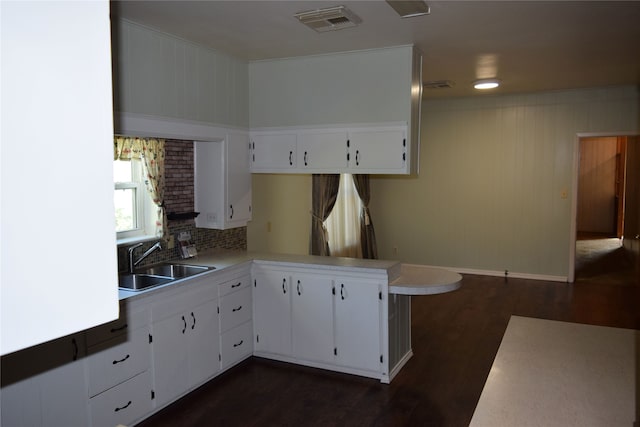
pixel 529 45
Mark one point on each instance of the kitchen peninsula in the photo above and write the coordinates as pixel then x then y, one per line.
pixel 340 314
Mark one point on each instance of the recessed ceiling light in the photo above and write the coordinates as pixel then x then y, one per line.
pixel 486 84
pixel 409 9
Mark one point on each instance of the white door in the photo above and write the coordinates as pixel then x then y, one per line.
pixel 312 317
pixel 170 358
pixel 358 324
pixel 272 312
pixel 377 149
pixel 322 150
pixel 204 342
pixel 238 179
pixel 273 152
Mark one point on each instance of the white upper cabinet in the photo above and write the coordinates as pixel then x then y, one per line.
pixel 273 152
pixel 321 150
pixel 316 96
pixel 222 182
pixel 377 150
pixel 56 94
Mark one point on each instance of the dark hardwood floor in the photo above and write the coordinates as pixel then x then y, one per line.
pixel 455 338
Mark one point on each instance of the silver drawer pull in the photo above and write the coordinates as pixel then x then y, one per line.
pixel 237 309
pixel 238 344
pixel 115 362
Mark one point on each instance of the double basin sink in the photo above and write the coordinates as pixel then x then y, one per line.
pixel 158 275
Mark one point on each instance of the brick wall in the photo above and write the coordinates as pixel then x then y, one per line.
pixel 179 199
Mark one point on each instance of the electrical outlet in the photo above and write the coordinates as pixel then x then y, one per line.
pixel 172 242
pixel 268 226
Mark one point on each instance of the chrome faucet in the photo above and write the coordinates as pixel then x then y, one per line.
pixel 148 252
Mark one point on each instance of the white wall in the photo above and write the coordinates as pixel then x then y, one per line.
pixel 162 75
pixel 367 86
pixel 493 172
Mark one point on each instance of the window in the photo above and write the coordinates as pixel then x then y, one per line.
pixel 343 223
pixel 134 208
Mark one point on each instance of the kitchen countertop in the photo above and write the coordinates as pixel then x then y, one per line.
pixel 423 280
pixel 406 279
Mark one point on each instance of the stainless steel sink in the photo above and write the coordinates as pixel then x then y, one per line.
pixel 138 282
pixel 175 271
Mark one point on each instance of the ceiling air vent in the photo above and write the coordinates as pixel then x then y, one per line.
pixel 438 84
pixel 329 19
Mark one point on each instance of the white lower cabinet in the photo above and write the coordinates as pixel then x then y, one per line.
pixel 236 327
pixel 312 317
pixel 358 316
pixel 309 316
pixel 118 369
pixel 45 385
pixel 185 342
pixel 272 312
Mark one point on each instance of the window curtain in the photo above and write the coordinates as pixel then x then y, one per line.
pixel 151 152
pixel 343 223
pixel 367 232
pixel 325 190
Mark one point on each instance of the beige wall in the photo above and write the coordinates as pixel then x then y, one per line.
pixel 281 206
pixel 489 194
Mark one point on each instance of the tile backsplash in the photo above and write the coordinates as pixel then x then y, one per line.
pixel 179 186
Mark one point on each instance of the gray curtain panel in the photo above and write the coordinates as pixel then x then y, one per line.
pixel 325 191
pixel 367 232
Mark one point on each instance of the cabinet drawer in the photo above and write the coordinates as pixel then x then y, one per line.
pixel 236 344
pixel 234 285
pixel 114 362
pixel 128 321
pixel 169 307
pixel 235 309
pixel 124 404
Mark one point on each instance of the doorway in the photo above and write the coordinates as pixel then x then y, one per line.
pixel 606 207
pixel 601 176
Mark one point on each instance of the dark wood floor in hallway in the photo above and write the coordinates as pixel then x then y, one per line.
pixel 455 338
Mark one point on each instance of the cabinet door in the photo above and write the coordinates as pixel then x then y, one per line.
pixel 377 150
pixel 203 341
pixel 272 312
pixel 358 311
pixel 273 152
pixel 238 180
pixel 170 358
pixel 322 150
pixel 312 318
pixel 209 185
pixel 31 385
